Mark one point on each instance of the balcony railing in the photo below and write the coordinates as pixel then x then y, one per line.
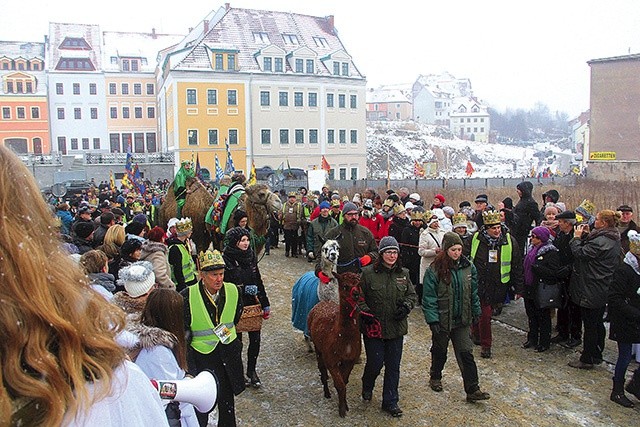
pixel 41 159
pixel 121 158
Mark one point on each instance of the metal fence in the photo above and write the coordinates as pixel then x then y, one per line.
pixel 121 158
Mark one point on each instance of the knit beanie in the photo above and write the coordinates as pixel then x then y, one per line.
pixel 508 203
pixel 349 207
pixel 440 197
pixel 134 228
pixel 130 246
pixel 325 205
pixel 388 243
pixel 141 218
pixel 83 229
pixel 138 278
pixel 238 215
pixel 235 234
pixel 450 239
pixel 541 233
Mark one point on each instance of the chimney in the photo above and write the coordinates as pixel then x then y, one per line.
pixel 205 24
pixel 153 34
pixel 331 22
pixel 227 6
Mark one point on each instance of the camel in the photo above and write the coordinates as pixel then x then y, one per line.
pixel 308 290
pixel 335 333
pixel 256 200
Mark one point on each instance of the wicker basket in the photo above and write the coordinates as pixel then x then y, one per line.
pixel 251 319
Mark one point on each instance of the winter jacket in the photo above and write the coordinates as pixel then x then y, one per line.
pixel 430 241
pixel 545 269
pixel 355 242
pixel 99 233
pixel 66 220
pixel 526 212
pixel 373 222
pixel 596 258
pixel 292 215
pixel 156 359
pixel 491 290
pixel 83 245
pixel 455 304
pixel 384 290
pixel 241 269
pixel 316 233
pixel 624 240
pixel 156 254
pixel 397 226
pixel 409 242
pixel 624 302
pixel 103 283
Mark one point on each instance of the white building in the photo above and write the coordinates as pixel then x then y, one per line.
pixel 433 96
pixel 470 119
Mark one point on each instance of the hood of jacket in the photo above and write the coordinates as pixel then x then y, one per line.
pixel 526 188
pixel 151 336
pixel 149 247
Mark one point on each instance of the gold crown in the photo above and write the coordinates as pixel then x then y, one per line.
pixel 388 202
pixel 417 215
pixel 586 207
pixel 398 209
pixel 491 217
pixel 211 260
pixel 459 219
pixel 184 225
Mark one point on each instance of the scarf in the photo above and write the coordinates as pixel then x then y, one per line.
pixel 631 260
pixel 530 260
pixel 243 258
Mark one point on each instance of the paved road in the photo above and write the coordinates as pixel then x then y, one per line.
pixel 527 388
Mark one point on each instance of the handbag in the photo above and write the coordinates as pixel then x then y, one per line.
pixel 251 318
pixel 548 295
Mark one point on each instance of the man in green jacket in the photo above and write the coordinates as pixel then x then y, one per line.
pixel 317 231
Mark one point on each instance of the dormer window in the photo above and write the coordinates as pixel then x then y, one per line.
pixel 290 39
pixel 75 64
pixel 278 65
pixel 336 68
pixel 266 61
pixel 76 43
pixel 475 109
pixel 260 37
pixel 130 64
pixel 321 42
pixel 310 66
pixel 299 65
pixel 345 68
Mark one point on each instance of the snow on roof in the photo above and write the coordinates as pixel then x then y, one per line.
pixel 289 31
pixel 59 31
pixel 135 45
pixel 389 94
pixel 445 85
pixel 27 50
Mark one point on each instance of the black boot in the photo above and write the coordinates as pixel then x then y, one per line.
pixel 617 395
pixel 633 386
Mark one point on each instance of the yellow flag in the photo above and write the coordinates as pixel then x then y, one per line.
pixel 126 182
pixel 253 175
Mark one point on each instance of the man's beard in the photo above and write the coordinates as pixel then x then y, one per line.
pixel 351 223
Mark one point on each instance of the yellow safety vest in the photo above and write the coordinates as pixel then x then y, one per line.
pixel 204 340
pixel 188 266
pixel 505 256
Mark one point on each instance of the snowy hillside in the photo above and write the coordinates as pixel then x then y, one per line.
pixel 406 142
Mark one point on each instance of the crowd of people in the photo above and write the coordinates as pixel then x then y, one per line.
pixel 172 312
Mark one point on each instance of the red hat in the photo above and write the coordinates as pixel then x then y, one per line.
pixel 439 197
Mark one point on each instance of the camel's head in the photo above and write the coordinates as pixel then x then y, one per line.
pixel 331 251
pixel 259 194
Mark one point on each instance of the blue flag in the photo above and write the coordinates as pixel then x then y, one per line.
pixel 128 166
pixel 219 171
pixel 137 180
pixel 229 169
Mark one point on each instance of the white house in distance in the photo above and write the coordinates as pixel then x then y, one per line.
pixel 390 102
pixel 469 119
pixel 77 103
pixel 433 96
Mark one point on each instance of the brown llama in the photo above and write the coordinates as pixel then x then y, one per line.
pixel 335 332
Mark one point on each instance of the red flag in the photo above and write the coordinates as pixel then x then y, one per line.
pixel 418 170
pixel 325 165
pixel 470 170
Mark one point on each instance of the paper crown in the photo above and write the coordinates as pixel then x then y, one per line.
pixel 491 217
pixel 398 209
pixel 586 208
pixel 634 242
pixel 388 202
pixel 184 226
pixel 459 219
pixel 211 260
pixel 417 215
pixel 292 194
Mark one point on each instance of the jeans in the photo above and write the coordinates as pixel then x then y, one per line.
pixel 462 347
pixel 624 358
pixel 482 329
pixel 387 353
pixel 594 334
pixel 539 323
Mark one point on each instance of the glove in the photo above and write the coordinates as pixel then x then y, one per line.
pixel 435 328
pixel 323 277
pixel 266 312
pixel 250 289
pixel 371 327
pixel 310 255
pixel 365 260
pixel 401 312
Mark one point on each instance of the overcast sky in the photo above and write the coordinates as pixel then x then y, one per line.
pixel 516 53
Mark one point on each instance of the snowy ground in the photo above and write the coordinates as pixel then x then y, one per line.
pixel 527 388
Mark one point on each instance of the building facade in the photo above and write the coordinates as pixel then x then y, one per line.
pixel 390 102
pixel 24 113
pixel 614 132
pixel 433 96
pixel 470 120
pixel 275 87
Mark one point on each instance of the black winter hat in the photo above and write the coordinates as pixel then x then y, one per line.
pixel 134 228
pixel 566 215
pixel 482 198
pixel 450 239
pixel 508 203
pixel 235 234
pixel 83 229
pixel 130 246
pixel 553 194
pixel 238 215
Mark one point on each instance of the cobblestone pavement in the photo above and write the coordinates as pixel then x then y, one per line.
pixel 527 388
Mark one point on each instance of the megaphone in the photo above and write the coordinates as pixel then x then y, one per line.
pixel 201 391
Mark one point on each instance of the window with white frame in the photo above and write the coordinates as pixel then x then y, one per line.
pixel 232 97
pixel 284 136
pixel 283 99
pixel 265 98
pixel 265 136
pixel 298 99
pixel 233 136
pixel 313 99
pixel 212 97
pixel 278 65
pixel 313 136
pixel 213 136
pixel 192 136
pixel 299 135
pixel 267 63
pixel 192 97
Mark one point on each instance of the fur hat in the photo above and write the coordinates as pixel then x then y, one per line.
pixel 508 203
pixel 356 198
pixel 325 205
pixel 450 239
pixel 541 233
pixel 634 242
pixel 409 205
pixel 83 229
pixel 138 278
pixel 238 215
pixel 464 204
pixel 348 207
pixel 440 197
pixel 388 243
pixel 235 234
pixel 211 260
